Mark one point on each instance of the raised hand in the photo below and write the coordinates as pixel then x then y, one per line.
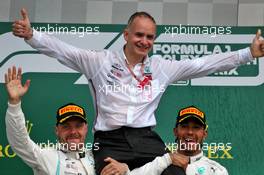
pixel 13 85
pixel 257 46
pixel 22 27
pixel 114 167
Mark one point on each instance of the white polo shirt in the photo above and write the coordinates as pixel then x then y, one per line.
pixel 119 99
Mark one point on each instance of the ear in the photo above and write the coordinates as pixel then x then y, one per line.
pixel 205 134
pixel 56 130
pixel 86 128
pixel 175 131
pixel 125 34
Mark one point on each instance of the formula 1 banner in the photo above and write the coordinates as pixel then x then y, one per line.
pixel 232 100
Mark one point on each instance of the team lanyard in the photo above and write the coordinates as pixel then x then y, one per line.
pixel 147 77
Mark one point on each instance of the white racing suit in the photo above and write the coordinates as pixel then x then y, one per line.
pixel 51 161
pixel 201 165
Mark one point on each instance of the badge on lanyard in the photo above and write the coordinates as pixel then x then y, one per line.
pixel 147 77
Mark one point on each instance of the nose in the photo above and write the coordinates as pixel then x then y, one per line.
pixel 144 40
pixel 190 130
pixel 73 130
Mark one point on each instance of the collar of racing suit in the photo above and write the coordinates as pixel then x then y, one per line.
pixel 196 157
pixel 72 154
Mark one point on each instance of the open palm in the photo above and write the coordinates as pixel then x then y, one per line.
pixel 13 85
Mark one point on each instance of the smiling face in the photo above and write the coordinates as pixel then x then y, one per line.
pixel 72 132
pixel 139 35
pixel 190 135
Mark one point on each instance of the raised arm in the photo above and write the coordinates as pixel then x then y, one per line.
pixel 87 62
pixel 188 69
pixel 17 134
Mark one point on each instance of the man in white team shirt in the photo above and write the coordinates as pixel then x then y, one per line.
pixel 127 85
pixel 70 155
pixel 190 132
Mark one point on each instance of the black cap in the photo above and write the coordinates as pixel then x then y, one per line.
pixel 191 111
pixel 68 111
